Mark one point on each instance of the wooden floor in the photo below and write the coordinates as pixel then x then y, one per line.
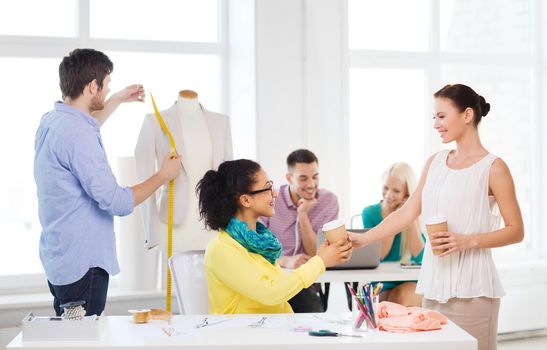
pixel 539 343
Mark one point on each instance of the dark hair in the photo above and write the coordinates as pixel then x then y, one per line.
pixel 301 156
pixel 219 191
pixel 81 67
pixel 462 96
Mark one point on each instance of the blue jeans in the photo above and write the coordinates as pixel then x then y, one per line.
pixel 91 288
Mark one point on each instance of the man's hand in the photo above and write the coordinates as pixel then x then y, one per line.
pixel 131 93
pixel 293 262
pixel 170 167
pixel 307 233
pixel 305 205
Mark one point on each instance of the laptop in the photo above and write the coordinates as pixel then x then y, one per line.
pixel 363 258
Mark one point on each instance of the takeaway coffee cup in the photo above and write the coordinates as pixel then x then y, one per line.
pixel 435 224
pixel 334 230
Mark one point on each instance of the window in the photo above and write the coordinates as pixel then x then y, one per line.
pixel 372 23
pixel 164 20
pixel 371 104
pixel 500 27
pixel 19 225
pixel 180 47
pixel 397 63
pixel 28 17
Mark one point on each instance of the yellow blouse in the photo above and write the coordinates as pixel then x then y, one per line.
pixel 241 282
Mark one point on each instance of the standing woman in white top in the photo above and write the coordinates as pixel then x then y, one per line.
pixel 471 188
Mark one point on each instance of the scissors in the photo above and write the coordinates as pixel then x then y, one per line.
pixel 327 333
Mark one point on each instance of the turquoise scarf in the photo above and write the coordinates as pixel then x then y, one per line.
pixel 262 241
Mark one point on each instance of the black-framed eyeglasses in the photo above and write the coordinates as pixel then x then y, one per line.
pixel 271 189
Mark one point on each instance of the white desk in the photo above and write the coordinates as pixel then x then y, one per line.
pixel 386 271
pixel 235 333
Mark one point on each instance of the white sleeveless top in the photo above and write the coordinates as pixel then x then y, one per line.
pixel 460 195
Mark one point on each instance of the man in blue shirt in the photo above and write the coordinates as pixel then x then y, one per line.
pixel 78 194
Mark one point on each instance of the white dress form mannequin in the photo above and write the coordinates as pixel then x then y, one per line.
pixel 197 160
pixel 203 139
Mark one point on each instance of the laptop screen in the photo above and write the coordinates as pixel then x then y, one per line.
pixel 363 258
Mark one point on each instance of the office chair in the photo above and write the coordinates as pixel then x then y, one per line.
pixel 190 285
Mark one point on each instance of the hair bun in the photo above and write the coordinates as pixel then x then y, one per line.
pixel 485 106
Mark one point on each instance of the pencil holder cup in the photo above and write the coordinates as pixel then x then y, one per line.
pixel 364 313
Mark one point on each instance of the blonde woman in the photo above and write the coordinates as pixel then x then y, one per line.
pixel 398 183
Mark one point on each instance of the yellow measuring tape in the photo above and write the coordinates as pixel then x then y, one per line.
pixel 173 150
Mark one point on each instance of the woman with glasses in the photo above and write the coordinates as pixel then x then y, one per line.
pixel 240 261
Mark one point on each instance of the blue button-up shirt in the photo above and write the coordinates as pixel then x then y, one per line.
pixel 78 196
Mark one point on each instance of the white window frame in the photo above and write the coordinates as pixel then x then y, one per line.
pixel 57 47
pixel 431 61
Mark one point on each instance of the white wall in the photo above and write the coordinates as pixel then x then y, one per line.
pixel 242 76
pixel 543 126
pixel 299 87
pixel 279 86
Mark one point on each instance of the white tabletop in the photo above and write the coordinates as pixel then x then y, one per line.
pixel 386 271
pixel 234 332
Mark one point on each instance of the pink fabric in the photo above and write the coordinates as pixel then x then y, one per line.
pixel 397 318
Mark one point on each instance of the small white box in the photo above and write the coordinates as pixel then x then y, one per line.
pixel 39 328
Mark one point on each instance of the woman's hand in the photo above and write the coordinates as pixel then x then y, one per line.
pixel 335 253
pixel 357 240
pixel 450 242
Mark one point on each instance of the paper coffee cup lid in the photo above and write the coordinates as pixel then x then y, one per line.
pixel 431 220
pixel 133 311
pixel 331 225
